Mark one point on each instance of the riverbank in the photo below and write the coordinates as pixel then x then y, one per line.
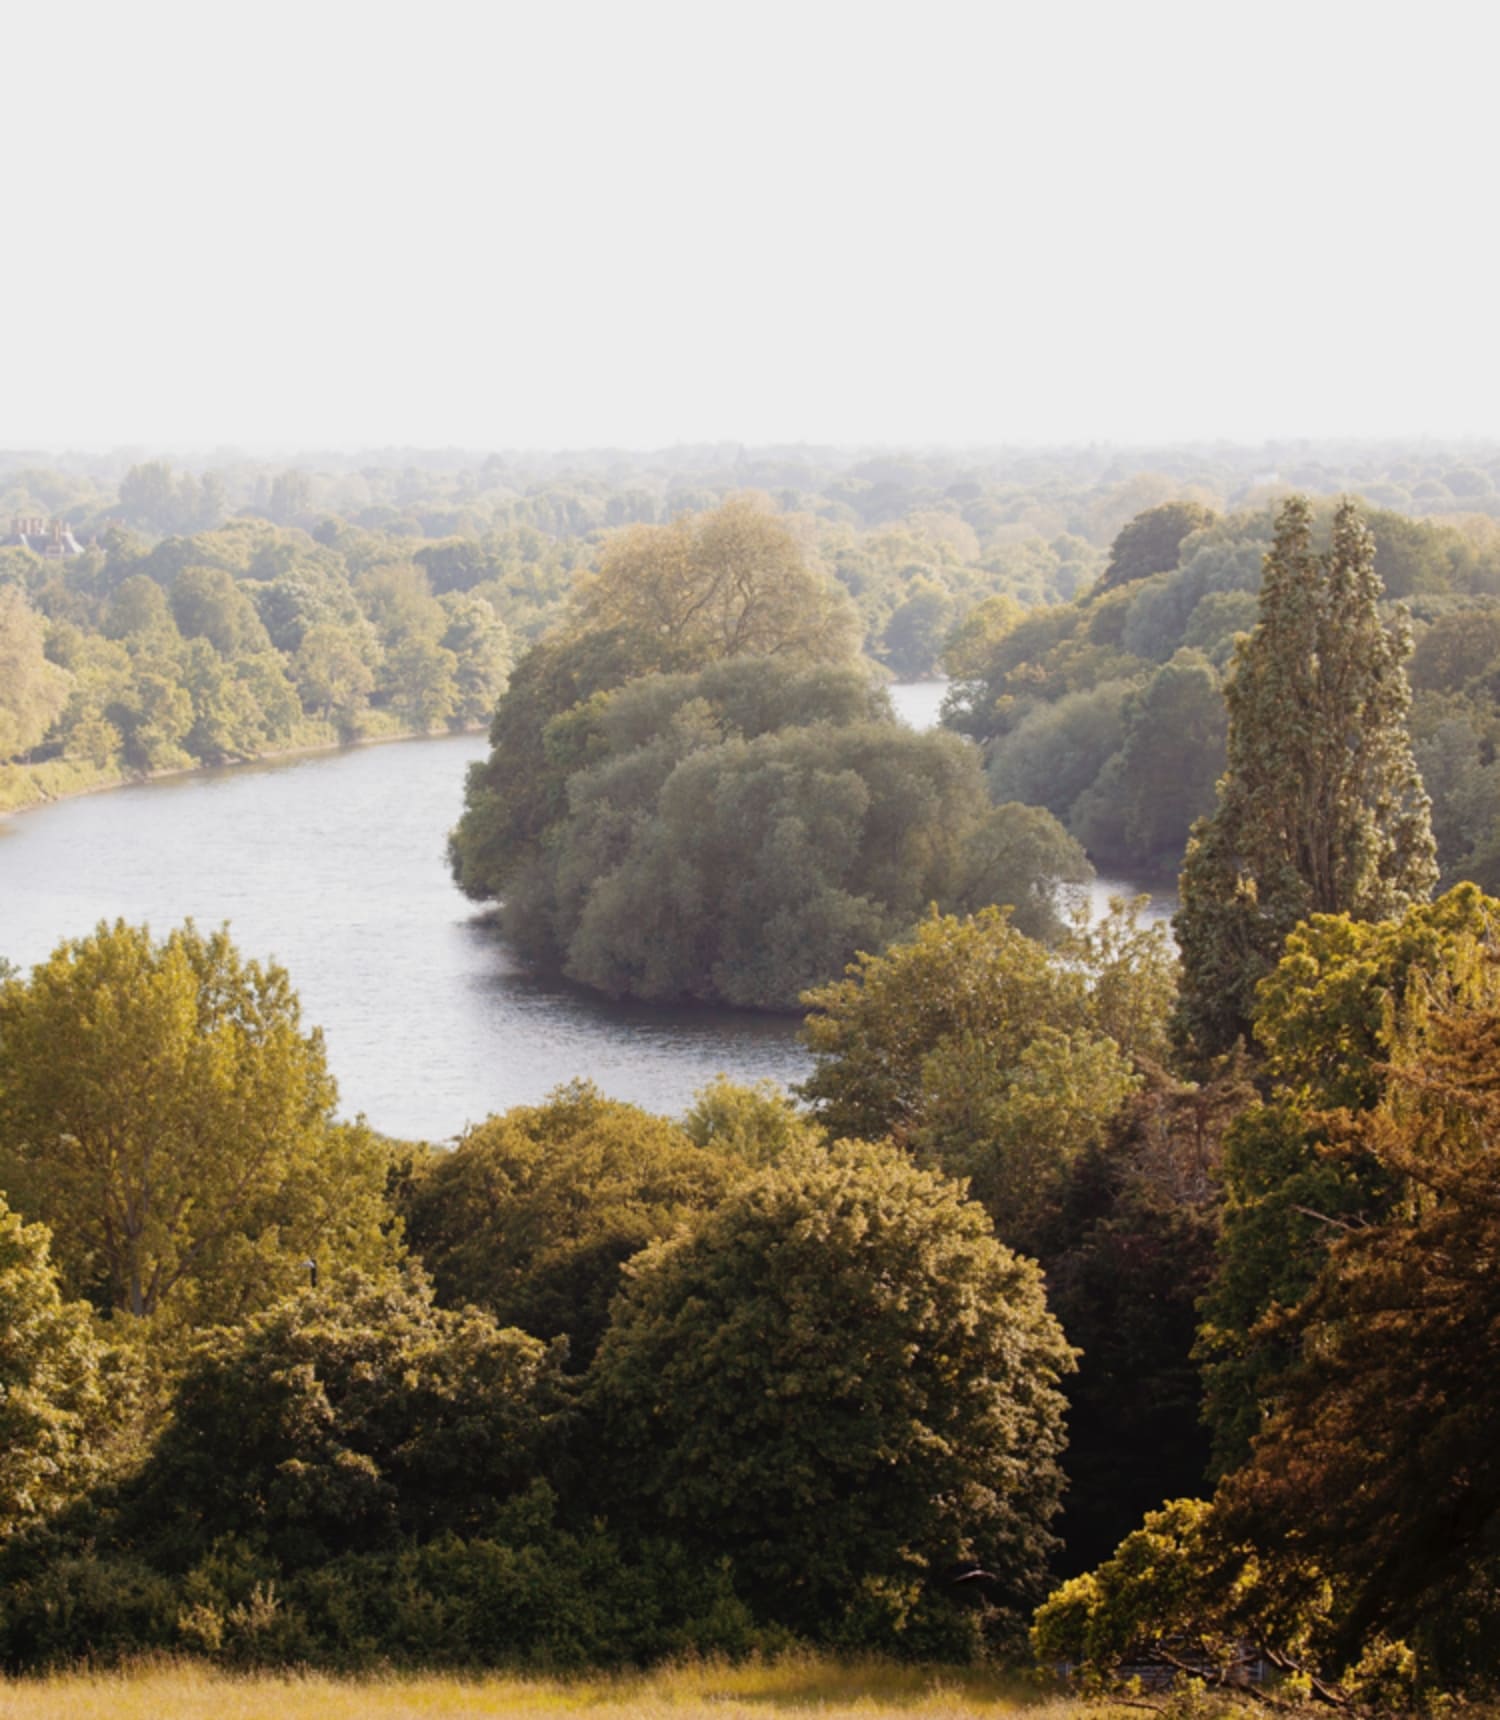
pixel 27 788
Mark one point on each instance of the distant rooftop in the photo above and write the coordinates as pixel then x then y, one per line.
pixel 50 539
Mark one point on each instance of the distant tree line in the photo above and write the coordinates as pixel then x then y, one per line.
pixel 229 644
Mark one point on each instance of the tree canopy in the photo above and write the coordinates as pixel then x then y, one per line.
pixel 843 1382
pixel 727 583
pixel 344 1419
pixel 183 1151
pixel 1321 809
pixel 534 1212
pixel 61 1391
pixel 738 833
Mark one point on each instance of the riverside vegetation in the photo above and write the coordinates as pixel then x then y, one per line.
pixel 1060 1304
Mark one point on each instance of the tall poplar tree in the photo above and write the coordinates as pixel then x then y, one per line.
pixel 1321 808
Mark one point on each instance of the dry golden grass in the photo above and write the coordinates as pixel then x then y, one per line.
pixel 797 1685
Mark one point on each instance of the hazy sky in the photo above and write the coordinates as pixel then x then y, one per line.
pixel 562 225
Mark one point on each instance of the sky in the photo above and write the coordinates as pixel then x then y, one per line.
pixel 561 224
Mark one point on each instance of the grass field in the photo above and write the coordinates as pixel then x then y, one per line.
pixel 796 1686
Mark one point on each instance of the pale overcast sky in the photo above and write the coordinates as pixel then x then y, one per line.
pixel 564 224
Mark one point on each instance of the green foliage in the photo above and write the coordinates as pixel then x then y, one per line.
pixel 1144 800
pixel 514 796
pixel 981 1053
pixel 1320 809
pixel 1152 543
pixel 529 1595
pixel 1021 857
pixel 915 634
pixel 1333 1014
pixel 533 1214
pixel 344 1419
pixel 1013 1122
pixel 1181 1593
pixel 842 1381
pixel 1057 750
pixel 975 980
pixel 736 834
pixel 1330 1013
pixel 755 1124
pixel 728 583
pixel 1379 1457
pixel 62 1393
pixel 183 1152
pixel 33 691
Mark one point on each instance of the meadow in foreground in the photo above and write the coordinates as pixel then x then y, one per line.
pixel 867 1688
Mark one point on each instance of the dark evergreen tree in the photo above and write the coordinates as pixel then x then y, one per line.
pixel 1321 808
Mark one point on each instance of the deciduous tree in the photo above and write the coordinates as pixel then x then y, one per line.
pixel 842 1381
pixel 534 1212
pixel 728 583
pixel 59 1393
pixel 164 1112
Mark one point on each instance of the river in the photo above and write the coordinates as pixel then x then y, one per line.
pixel 333 864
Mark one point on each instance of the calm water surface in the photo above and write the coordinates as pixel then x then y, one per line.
pixel 334 866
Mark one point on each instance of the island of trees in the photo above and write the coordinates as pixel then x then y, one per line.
pixel 1124 1305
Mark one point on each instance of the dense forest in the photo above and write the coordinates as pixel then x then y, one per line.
pixel 1116 1302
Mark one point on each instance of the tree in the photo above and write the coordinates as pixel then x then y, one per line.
pixel 59 1392
pixel 762 866
pixel 1320 809
pixel 1053 755
pixel 207 604
pixel 183 1150
pixel 1182 1594
pixel 1356 1545
pixel 1141 806
pixel 33 692
pixel 977 983
pixel 341 1420
pixel 1022 857
pixel 480 643
pixel 534 1212
pixel 754 1124
pixel 1380 1459
pixel 914 635
pixel 147 496
pixel 737 833
pixel 843 1382
pixel 333 669
pixel 979 1052
pixel 1347 997
pixel 514 796
pixel 1151 543
pixel 420 676
pixel 722 584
